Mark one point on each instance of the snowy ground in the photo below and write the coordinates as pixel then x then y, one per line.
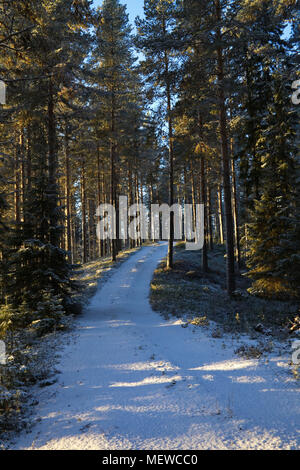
pixel 131 380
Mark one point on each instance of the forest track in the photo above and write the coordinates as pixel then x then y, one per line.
pixel 132 380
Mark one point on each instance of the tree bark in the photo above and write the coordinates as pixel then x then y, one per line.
pixel 17 171
pixel 83 215
pixel 204 202
pixel 235 215
pixel 52 164
pixel 99 197
pixel 225 159
pixel 67 196
pixel 112 175
pixel 170 256
pixel 220 214
pixel 209 219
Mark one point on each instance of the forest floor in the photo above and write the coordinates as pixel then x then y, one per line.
pixel 130 378
pixel 186 293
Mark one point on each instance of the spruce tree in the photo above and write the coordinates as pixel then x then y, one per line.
pixel 274 249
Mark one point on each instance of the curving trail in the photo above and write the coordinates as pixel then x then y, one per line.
pixel 131 380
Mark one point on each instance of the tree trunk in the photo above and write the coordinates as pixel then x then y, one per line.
pixel 83 214
pixel 52 164
pixel 130 201
pixel 220 214
pixel 23 176
pixel 204 202
pixel 67 196
pixel 112 175
pixel 91 226
pixel 17 170
pixel 99 192
pixel 209 219
pixel 225 159
pixel 235 202
pixel 171 157
pixel 235 215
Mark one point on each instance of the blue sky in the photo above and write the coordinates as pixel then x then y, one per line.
pixel 134 7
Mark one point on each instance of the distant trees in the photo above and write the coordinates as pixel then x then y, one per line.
pixel 237 63
pixel 156 38
pixel 114 71
pixel 37 63
pixel 205 117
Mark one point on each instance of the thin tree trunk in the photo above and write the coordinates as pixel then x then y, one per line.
pixel 235 214
pixel 151 201
pixel 18 181
pixel 112 175
pixel 67 196
pixel 171 158
pixel 220 214
pixel 83 214
pixel 137 195
pixel 52 163
pixel 73 231
pixel 91 225
pixel 130 201
pixel 225 160
pixel 27 173
pixel 204 202
pixel 28 161
pixel 142 202
pixel 235 203
pixel 99 191
pixel 186 197
pixel 209 217
pixel 193 194
pixel 23 176
pixel 203 195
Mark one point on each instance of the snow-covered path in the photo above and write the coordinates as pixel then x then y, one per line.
pixel 132 380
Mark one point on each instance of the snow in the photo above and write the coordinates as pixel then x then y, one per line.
pixel 131 380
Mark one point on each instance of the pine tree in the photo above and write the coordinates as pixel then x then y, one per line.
pixel 46 65
pixel 156 40
pixel 113 63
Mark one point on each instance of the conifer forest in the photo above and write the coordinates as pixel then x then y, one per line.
pixel 182 103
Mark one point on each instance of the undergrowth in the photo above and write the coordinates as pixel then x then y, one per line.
pixel 28 335
pixel 186 292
